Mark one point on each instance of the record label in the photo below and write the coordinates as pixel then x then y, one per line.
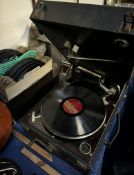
pixel 72 106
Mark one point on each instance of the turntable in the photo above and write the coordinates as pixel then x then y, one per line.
pixel 73 112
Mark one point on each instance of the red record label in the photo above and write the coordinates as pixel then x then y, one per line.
pixel 72 106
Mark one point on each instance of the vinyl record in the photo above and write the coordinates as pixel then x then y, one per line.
pixel 73 112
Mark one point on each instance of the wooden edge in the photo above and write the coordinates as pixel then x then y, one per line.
pixel 34 146
pixel 44 166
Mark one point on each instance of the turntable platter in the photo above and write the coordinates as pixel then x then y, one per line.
pixel 73 112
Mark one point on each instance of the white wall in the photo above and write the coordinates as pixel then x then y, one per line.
pixel 14 20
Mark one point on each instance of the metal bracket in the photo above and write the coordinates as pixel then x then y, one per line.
pixel 128 22
pixel 41 143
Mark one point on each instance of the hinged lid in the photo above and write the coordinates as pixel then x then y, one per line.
pixel 86 30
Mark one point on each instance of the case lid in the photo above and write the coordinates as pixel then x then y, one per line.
pixel 86 30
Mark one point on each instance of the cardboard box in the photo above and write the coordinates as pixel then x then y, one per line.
pixel 28 81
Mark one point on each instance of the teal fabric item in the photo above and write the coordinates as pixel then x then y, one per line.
pixel 5 67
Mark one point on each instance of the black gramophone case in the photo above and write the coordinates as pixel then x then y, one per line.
pixel 99 39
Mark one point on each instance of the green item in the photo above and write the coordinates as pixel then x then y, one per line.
pixel 5 67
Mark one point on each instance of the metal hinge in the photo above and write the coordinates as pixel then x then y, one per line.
pixel 128 22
